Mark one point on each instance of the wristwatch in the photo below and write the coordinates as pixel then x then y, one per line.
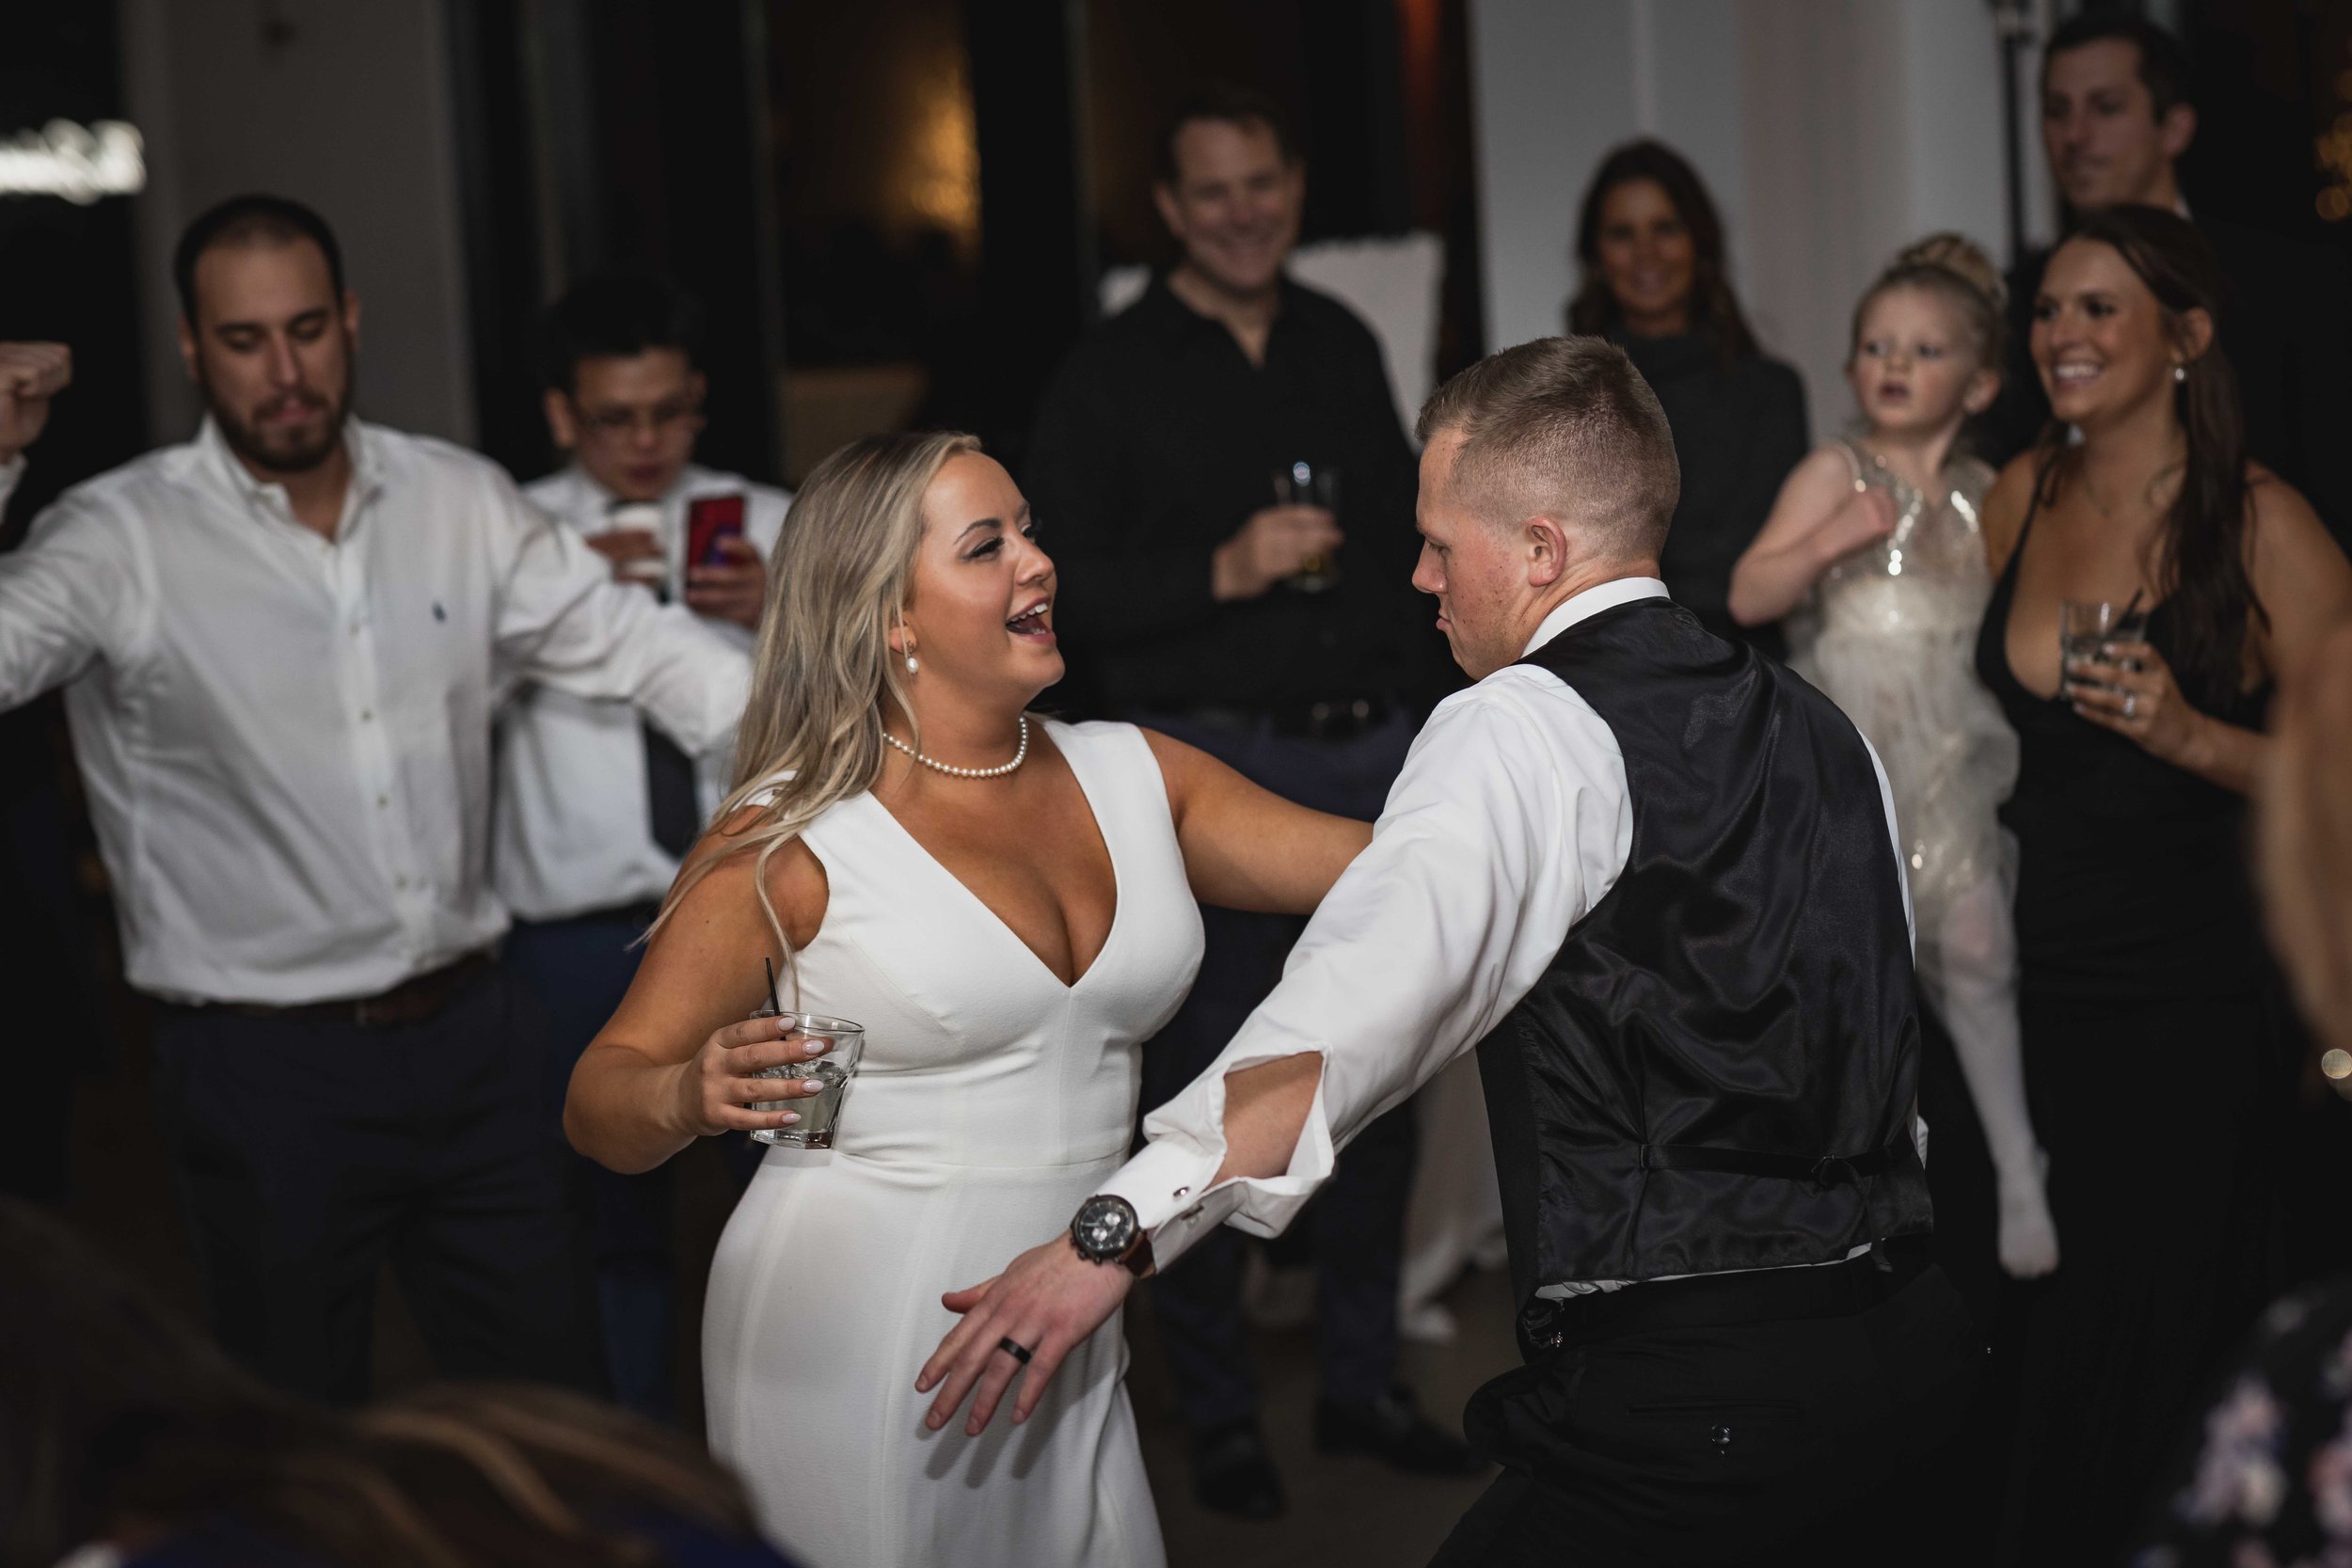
pixel 1106 1230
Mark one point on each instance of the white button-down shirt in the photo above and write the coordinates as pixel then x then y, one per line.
pixel 286 740
pixel 1511 820
pixel 572 829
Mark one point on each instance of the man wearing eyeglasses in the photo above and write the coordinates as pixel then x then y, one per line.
pixel 594 807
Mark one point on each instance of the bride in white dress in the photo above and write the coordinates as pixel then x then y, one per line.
pixel 1008 905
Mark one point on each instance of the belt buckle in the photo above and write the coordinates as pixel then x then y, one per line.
pixel 1831 1170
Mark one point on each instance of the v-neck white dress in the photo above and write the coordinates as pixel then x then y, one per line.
pixel 991 1102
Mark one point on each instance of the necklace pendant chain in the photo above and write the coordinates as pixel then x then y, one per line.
pixel 1019 756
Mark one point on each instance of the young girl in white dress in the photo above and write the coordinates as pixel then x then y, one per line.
pixel 1874 555
pixel 1007 904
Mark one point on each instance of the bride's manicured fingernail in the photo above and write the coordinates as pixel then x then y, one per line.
pixel 812 1086
pixel 817 1047
pixel 789 1118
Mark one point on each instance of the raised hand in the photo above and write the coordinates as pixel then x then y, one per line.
pixel 624 546
pixel 31 375
pixel 1047 1302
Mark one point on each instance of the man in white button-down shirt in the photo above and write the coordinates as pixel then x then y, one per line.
pixel 1653 878
pixel 594 804
pixel 280 644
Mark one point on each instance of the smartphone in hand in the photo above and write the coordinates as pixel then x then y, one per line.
pixel 710 519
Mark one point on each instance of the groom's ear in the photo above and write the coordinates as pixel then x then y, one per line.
pixel 1546 545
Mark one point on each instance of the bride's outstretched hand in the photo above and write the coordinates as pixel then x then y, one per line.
pixel 1046 1302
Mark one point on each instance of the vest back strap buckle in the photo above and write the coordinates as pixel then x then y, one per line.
pixel 1822 1173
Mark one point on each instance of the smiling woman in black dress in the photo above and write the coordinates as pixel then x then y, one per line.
pixel 2150 1049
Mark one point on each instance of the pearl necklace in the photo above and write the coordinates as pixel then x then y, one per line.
pixel 997 773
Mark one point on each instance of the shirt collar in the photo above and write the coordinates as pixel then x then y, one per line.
pixel 1178 319
pixel 366 467
pixel 1591 602
pixel 690 479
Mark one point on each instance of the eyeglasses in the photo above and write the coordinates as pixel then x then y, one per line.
pixel 614 423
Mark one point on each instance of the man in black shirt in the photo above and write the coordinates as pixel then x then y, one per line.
pixel 2115 120
pixel 1278 634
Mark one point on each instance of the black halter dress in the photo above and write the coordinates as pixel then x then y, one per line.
pixel 2150 1040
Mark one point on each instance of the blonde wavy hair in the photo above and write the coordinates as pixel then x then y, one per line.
pixel 812 732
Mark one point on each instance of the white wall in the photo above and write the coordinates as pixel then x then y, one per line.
pixel 1831 131
pixel 344 106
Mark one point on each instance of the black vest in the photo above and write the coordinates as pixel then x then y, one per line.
pixel 1718 1068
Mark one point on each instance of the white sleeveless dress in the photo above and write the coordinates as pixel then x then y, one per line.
pixel 991 1100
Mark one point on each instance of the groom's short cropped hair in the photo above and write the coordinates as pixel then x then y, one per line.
pixel 1564 428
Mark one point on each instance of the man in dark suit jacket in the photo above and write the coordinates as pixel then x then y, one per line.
pixel 2114 119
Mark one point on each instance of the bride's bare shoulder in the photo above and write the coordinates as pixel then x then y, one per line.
pixel 727 871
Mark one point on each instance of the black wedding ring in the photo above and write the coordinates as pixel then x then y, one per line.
pixel 1019 1352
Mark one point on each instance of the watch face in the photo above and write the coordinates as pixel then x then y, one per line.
pixel 1104 1226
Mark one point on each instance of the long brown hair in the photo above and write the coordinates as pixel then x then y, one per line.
pixel 114 1410
pixel 1715 313
pixel 2199 570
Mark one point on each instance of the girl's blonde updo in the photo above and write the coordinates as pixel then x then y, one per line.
pixel 1956 267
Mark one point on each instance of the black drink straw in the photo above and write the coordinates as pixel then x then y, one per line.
pixel 774 1007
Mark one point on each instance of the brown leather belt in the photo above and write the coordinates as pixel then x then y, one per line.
pixel 413 1000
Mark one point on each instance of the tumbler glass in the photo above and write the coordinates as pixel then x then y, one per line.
pixel 1303 484
pixel 820 1112
pixel 2086 626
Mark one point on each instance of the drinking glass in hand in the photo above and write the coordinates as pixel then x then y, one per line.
pixel 1304 484
pixel 820 1112
pixel 2086 627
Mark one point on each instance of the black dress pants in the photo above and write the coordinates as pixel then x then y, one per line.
pixel 310 1151
pixel 1782 1417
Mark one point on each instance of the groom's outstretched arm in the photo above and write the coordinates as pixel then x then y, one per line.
pixel 1509 820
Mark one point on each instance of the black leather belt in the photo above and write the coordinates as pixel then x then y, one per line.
pixel 1714 1300
pixel 413 1000
pixel 1337 719
pixel 1823 1172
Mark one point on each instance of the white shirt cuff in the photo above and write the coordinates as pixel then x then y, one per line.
pixel 1170 1187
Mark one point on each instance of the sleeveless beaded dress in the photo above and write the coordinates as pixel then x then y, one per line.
pixel 1887 635
pixel 2151 1065
pixel 991 1100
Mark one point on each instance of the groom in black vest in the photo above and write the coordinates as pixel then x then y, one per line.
pixel 1652 876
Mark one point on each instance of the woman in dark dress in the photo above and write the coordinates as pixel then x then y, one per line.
pixel 2150 1044
pixel 1651 248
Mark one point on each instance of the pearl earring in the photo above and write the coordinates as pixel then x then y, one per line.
pixel 2180 372
pixel 911 664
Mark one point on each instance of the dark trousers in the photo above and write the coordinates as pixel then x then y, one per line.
pixel 311 1152
pixel 579 969
pixel 1773 1418
pixel 1354 1231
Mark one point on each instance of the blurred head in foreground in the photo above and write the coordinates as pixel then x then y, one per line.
pixel 121 1424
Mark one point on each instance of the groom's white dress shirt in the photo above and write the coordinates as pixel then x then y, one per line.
pixel 1511 820
pixel 286 739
